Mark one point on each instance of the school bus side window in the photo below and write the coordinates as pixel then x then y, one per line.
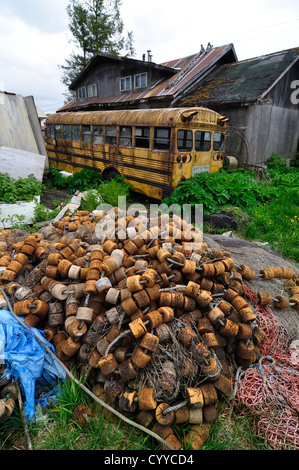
pixel 218 141
pixel 142 137
pixel 76 134
pixel 58 131
pixel 50 131
pixel 162 138
pixel 98 134
pixel 185 140
pixel 66 131
pixel 202 141
pixel 111 135
pixel 125 136
pixel 86 133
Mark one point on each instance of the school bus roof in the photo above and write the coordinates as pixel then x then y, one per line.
pixel 169 117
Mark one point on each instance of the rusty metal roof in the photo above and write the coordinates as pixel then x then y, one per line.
pixel 185 71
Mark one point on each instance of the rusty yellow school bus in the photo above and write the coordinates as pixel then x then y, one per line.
pixel 153 149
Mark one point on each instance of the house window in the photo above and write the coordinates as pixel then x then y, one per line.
pixel 162 138
pixel 125 84
pixel 140 80
pixel 218 143
pixel 98 134
pixel 91 91
pixel 86 133
pixel 125 136
pixel 111 135
pixel 185 140
pixel 76 134
pixel 82 93
pixel 202 141
pixel 142 137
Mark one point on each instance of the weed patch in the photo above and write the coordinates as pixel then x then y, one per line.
pixel 272 205
pixel 21 189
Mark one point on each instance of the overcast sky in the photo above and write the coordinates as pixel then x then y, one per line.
pixel 34 36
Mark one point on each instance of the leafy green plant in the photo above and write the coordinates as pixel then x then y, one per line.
pixel 215 190
pixel 272 205
pixel 58 181
pixel 43 213
pixel 83 180
pixel 111 190
pixel 16 221
pixel 21 189
pixel 91 200
pixel 79 181
pixel 295 161
pixel 275 161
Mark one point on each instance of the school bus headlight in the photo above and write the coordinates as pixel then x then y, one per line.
pixel 185 158
pixel 179 159
pixel 222 120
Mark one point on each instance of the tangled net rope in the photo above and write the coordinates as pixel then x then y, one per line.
pixel 270 389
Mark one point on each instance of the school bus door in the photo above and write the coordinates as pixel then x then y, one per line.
pixel 202 162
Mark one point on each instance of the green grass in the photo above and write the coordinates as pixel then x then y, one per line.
pixel 277 222
pixel 234 430
pixel 59 430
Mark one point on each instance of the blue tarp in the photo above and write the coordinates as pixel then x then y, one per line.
pixel 26 360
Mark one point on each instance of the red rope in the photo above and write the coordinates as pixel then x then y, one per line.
pixel 271 392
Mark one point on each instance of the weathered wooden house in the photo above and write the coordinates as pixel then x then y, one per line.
pixel 259 97
pixel 255 93
pixel 113 82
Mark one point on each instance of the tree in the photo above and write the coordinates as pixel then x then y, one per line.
pixel 96 26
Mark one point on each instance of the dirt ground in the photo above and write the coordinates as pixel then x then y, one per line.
pixel 258 257
pixel 49 196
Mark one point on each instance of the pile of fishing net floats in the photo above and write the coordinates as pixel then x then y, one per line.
pixel 161 325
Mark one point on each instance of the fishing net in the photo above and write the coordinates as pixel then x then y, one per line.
pixel 270 389
pixel 174 368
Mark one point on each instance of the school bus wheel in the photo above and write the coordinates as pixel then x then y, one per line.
pixel 110 173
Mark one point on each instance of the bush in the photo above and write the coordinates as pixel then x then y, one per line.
pixel 22 189
pixel 80 181
pixel 215 190
pixel 107 193
pixel 272 206
pixel 295 161
pixel 275 161
pixel 111 190
pixel 57 180
pixel 84 180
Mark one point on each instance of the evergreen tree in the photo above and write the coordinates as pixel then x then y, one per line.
pixel 96 26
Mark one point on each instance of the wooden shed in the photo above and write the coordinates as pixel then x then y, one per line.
pixel 258 96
